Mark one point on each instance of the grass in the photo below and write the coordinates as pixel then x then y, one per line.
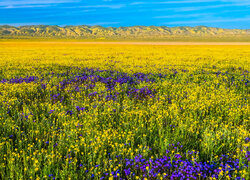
pixel 77 111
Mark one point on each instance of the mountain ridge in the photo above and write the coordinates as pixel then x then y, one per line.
pixel 129 32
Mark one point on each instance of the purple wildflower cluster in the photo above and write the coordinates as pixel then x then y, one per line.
pixel 174 165
pixel 141 93
pixel 87 81
pixel 56 97
pixel 109 78
pixel 80 108
pixel 248 155
pixel 28 79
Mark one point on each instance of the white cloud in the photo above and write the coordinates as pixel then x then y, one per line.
pixel 196 8
pixel 25 6
pixel 173 2
pixel 25 24
pixel 184 15
pixel 210 21
pixel 32 3
pixel 11 2
pixel 102 23
pixel 234 0
pixel 114 6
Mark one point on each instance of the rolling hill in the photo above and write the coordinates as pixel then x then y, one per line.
pixel 198 33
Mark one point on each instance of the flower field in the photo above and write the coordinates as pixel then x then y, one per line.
pixel 88 111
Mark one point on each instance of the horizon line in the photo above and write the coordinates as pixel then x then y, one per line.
pixel 63 26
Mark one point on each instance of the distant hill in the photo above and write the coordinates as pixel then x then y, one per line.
pixel 125 33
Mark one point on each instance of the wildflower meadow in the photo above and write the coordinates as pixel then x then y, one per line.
pixel 94 111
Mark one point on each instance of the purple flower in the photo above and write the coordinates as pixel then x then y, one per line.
pixel 43 86
pixel 69 113
pixel 17 80
pixel 80 108
pixel 55 145
pixel 247 140
pixel 127 171
pixel 51 111
pixel 92 94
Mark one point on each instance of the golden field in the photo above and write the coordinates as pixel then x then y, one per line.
pixel 124 111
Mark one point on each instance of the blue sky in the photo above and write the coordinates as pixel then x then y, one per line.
pixel 215 13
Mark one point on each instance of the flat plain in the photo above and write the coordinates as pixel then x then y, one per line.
pixel 87 110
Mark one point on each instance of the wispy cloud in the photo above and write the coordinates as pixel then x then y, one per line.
pixel 172 2
pixel 127 12
pixel 234 1
pixel 113 6
pixel 26 24
pixel 209 21
pixel 32 3
pixel 237 10
pixel 26 6
pixel 10 2
pixel 102 23
pixel 184 15
pixel 197 8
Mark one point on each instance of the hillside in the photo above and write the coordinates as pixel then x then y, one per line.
pixel 124 33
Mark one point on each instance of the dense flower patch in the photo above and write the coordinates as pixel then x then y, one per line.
pixel 125 112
